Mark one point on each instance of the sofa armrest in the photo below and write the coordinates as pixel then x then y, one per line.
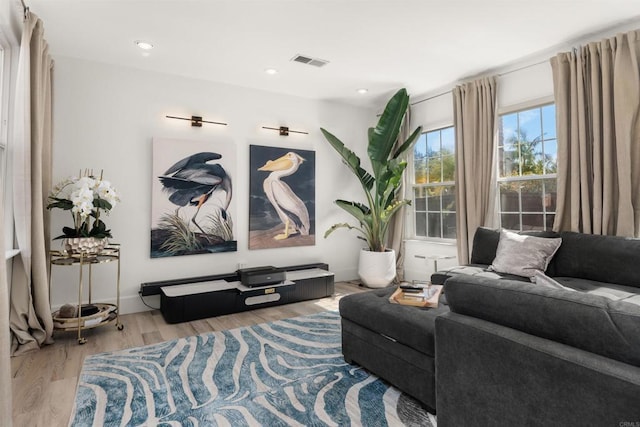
pixel 588 322
pixel 492 375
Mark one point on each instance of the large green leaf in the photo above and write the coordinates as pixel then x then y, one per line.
pixel 60 204
pixel 357 210
pixel 350 159
pixel 408 143
pixel 101 204
pixel 334 227
pixel 385 134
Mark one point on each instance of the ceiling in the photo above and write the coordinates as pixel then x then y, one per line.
pixel 423 45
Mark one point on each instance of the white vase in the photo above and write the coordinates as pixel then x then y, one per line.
pixel 85 245
pixel 377 269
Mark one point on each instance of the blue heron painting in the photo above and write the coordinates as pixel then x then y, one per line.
pixel 191 213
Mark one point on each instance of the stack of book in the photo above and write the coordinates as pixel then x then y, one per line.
pixel 424 295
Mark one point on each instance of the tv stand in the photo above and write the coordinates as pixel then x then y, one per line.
pixel 225 294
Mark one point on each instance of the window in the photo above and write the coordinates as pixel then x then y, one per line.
pixel 527 156
pixel 433 184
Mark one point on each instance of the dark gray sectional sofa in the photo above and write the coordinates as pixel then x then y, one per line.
pixel 511 352
pixel 502 351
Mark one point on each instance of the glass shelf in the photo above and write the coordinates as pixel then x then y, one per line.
pixel 79 323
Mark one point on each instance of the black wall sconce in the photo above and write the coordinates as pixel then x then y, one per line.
pixel 196 120
pixel 284 131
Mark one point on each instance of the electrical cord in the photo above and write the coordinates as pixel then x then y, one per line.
pixel 145 303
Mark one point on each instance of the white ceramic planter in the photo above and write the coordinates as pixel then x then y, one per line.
pixel 377 269
pixel 86 245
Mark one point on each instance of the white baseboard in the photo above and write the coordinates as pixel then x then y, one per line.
pixel 345 275
pixel 134 304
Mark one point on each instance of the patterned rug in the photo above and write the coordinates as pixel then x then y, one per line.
pixel 285 373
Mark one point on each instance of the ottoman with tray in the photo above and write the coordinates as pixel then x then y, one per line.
pixel 393 341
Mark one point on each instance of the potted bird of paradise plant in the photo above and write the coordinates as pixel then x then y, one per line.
pixel 380 188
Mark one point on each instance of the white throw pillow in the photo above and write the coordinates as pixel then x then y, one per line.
pixel 523 255
pixel 543 280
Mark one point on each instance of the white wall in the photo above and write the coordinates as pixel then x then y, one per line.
pixel 105 118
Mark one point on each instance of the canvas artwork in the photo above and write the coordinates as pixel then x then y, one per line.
pixel 282 199
pixel 192 197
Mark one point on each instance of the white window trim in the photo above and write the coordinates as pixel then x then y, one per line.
pixel 5 57
pixel 10 42
pixel 527 105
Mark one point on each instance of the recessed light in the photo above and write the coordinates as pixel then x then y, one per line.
pixel 362 91
pixel 271 71
pixel 143 45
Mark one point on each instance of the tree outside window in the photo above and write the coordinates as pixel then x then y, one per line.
pixel 527 155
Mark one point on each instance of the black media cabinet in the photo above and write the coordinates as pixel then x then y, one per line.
pixel 209 296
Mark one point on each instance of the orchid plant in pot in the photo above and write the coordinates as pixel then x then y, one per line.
pixel 380 187
pixel 88 198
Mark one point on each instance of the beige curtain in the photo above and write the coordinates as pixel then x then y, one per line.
pixel 474 118
pixel 395 236
pixel 597 95
pixel 5 338
pixel 30 313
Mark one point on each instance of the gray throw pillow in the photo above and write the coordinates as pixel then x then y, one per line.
pixel 542 279
pixel 523 255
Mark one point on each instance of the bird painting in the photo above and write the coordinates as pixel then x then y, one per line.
pixel 290 208
pixel 193 180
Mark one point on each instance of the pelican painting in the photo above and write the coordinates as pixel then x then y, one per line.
pixel 280 214
pixel 191 200
pixel 290 209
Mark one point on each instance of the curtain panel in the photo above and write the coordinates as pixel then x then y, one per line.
pixel 30 313
pixel 6 408
pixel 396 234
pixel 597 95
pixel 474 118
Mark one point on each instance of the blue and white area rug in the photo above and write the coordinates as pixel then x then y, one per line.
pixel 285 373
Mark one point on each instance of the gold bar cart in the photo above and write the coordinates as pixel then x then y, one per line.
pixel 106 313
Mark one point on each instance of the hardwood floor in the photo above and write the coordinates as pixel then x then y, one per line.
pixel 44 381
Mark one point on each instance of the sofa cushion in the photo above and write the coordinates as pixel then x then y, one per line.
pixel 607 259
pixel 612 291
pixel 523 255
pixel 479 270
pixel 411 326
pixel 594 323
pixel 485 243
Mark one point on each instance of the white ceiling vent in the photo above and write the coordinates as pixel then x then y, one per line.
pixel 306 59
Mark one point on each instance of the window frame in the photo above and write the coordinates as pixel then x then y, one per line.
pixel 10 45
pixel 4 120
pixel 413 185
pixel 531 105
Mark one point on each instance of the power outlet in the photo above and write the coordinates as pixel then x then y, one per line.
pixel 242 264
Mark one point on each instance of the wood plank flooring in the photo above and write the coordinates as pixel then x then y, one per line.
pixel 44 381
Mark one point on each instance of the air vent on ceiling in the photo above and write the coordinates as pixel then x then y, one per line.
pixel 305 59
